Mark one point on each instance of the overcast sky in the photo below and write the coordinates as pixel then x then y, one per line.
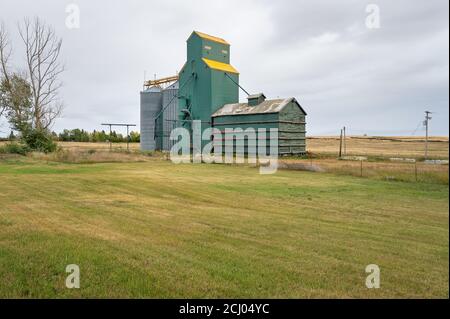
pixel 377 81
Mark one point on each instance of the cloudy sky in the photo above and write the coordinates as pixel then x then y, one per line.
pixel 375 81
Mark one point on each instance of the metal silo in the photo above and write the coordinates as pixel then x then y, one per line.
pixel 170 114
pixel 151 104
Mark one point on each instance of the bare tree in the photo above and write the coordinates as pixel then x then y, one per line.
pixel 5 54
pixel 43 67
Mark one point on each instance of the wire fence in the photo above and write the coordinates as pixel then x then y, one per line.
pixel 381 170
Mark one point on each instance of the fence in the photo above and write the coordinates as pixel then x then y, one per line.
pixel 383 170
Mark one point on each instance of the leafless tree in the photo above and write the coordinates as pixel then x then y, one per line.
pixel 43 48
pixel 5 54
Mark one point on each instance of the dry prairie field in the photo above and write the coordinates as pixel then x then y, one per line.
pixel 329 145
pixel 140 226
pixel 356 145
pixel 381 146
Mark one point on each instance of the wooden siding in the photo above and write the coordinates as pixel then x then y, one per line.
pixel 290 123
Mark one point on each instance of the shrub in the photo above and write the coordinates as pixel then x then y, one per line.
pixel 40 140
pixel 14 148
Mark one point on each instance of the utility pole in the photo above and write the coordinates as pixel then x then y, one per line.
pixel 340 145
pixel 128 139
pixel 145 80
pixel 110 134
pixel 427 119
pixel 345 143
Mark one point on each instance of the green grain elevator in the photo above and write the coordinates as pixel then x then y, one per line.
pixel 208 90
pixel 207 81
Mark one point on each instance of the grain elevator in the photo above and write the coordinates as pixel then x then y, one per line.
pixel 207 89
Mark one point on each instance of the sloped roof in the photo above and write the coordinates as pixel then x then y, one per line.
pixel 267 106
pixel 216 65
pixel 210 37
pixel 152 89
pixel 255 96
pixel 173 86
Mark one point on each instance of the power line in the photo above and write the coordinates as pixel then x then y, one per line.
pixel 418 126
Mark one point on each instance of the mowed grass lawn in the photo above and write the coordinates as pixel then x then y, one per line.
pixel 159 230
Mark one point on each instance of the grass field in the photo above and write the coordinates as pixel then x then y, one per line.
pixel 321 157
pixel 156 229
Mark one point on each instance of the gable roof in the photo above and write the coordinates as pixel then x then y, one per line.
pixel 216 65
pixel 255 96
pixel 209 37
pixel 267 106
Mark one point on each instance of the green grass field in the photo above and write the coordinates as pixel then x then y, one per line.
pixel 155 229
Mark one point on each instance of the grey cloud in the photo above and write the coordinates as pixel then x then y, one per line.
pixel 373 81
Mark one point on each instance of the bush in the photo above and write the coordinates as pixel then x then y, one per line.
pixel 14 148
pixel 39 140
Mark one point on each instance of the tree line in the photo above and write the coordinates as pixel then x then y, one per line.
pixel 77 135
pixel 80 135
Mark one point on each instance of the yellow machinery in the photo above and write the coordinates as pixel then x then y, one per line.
pixel 160 82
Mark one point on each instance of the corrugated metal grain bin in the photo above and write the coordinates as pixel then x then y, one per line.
pixel 151 102
pixel 169 114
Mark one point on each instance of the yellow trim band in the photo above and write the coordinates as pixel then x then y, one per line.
pixel 216 65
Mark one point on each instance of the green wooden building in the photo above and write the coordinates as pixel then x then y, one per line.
pixel 286 115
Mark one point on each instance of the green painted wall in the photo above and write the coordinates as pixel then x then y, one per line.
pixel 197 47
pixel 208 89
pixel 223 90
pixel 292 130
pixel 290 122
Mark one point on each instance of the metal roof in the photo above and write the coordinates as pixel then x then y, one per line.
pixel 152 89
pixel 267 106
pixel 211 37
pixel 216 65
pixel 173 86
pixel 255 96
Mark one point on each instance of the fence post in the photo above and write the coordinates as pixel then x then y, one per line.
pixel 415 169
pixel 361 168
